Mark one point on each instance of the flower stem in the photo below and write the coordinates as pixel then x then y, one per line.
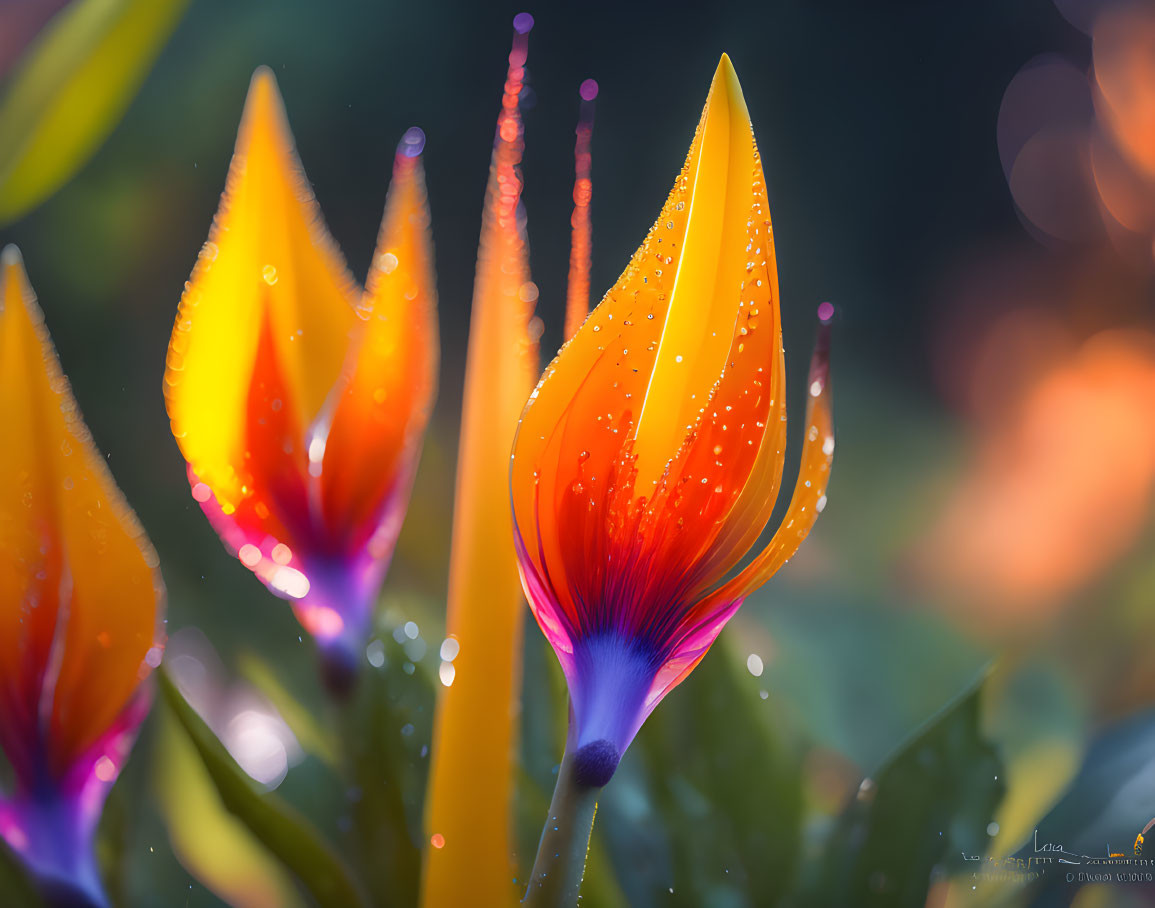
pixel 561 856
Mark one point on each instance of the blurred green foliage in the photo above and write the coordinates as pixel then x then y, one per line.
pixel 723 791
pixel 71 90
pixel 15 883
pixel 927 808
pixel 1107 806
pixel 386 732
pixel 287 835
pixel 707 808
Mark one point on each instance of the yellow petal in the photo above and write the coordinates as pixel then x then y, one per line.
pixel 575 426
pixel 711 266
pixel 72 89
pixel 471 782
pixel 209 841
pixel 79 588
pixel 268 255
pixel 382 404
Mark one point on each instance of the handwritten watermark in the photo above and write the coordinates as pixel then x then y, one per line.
pixel 1051 860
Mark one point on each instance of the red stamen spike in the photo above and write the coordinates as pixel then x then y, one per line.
pixel 577 303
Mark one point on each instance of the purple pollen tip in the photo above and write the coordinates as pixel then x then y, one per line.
pixel 412 143
pixel 588 90
pixel 825 312
pixel 522 23
pixel 594 763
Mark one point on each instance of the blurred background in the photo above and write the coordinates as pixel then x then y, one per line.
pixel 973 185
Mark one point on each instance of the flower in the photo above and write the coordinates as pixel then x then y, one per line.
pixel 299 403
pixel 649 458
pixel 80 603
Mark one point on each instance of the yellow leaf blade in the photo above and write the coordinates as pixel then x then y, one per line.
pixel 76 84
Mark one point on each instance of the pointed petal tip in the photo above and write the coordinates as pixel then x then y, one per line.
pixel 264 96
pixel 13 277
pixel 263 77
pixel 725 71
pixel 726 81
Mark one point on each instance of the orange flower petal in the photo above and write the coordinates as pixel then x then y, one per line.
pixel 809 496
pixel 299 413
pixel 381 406
pixel 710 267
pixel 620 389
pixel 269 262
pixel 78 578
pixel 474 737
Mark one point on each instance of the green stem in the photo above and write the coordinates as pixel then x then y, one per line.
pixel 561 856
pixel 389 864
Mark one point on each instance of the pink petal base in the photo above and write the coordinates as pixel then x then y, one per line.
pixel 52 827
pixel 332 594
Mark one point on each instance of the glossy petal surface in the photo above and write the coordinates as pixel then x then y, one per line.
pixel 299 403
pixel 381 405
pixel 79 588
pixel 269 275
pixel 650 456
pixel 471 776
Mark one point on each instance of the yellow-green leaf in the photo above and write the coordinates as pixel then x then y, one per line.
pixel 286 834
pixel 15 881
pixel 313 738
pixel 71 89
pixel 212 844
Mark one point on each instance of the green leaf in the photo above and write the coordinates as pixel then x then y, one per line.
pixel 928 805
pixel 15 883
pixel 706 808
pixel 309 733
pixel 857 675
pixel 1107 806
pixel 213 845
pixel 1033 710
pixel 386 734
pixel 72 88
pixel 112 841
pixel 277 826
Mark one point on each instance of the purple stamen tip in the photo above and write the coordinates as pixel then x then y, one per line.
pixel 594 763
pixel 522 23
pixel 412 143
pixel 588 90
pixel 825 312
